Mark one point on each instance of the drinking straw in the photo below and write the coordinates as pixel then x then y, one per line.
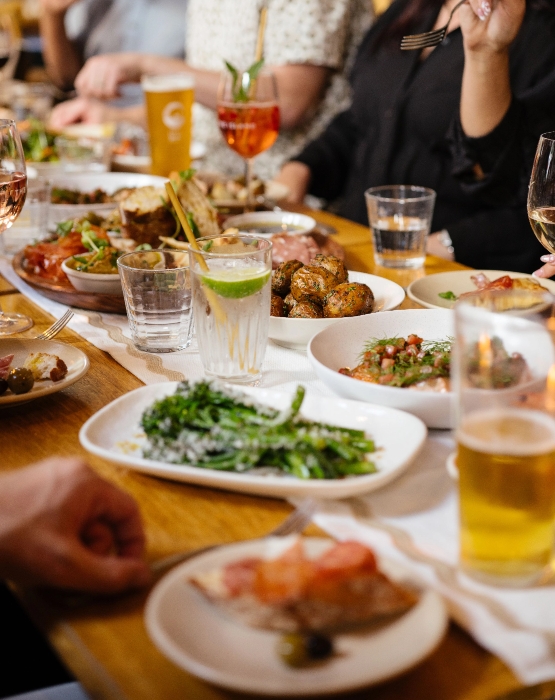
pixel 261 31
pixel 210 294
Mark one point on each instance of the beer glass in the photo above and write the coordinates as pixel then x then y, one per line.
pixel 504 378
pixel 169 103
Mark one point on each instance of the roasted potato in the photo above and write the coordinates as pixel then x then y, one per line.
pixel 312 283
pixel 288 303
pixel 306 309
pixel 281 276
pixel 276 306
pixel 334 265
pixel 349 299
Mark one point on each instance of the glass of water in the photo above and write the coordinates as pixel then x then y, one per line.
pixel 400 219
pixel 157 293
pixel 230 280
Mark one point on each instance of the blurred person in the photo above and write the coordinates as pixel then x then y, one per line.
pixel 463 118
pixel 309 44
pixel 62 525
pixel 74 30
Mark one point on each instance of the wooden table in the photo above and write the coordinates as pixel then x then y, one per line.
pixel 105 643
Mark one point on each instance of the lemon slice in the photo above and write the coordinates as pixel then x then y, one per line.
pixel 236 283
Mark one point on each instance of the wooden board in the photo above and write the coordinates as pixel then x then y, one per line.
pixel 65 293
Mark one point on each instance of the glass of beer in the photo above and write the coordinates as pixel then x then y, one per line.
pixel 169 103
pixel 504 378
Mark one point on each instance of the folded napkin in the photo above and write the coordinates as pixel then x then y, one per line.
pixel 414 521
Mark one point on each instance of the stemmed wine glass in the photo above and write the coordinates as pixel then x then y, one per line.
pixel 248 115
pixel 541 192
pixel 13 188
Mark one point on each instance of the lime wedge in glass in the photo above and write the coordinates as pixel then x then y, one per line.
pixel 236 283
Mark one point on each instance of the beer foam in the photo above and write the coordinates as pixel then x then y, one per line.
pixel 167 83
pixel 508 431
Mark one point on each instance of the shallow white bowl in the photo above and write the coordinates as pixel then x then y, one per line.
pixel 247 223
pixel 296 332
pixel 87 182
pixel 91 282
pixel 341 344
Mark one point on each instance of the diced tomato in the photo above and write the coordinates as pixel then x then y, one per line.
pixel 414 340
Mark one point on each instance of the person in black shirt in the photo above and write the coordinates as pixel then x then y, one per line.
pixel 463 119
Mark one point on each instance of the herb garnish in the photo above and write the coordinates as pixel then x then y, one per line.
pixel 450 296
pixel 242 81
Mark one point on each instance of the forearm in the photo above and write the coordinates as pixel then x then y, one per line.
pixel 61 57
pixel 486 91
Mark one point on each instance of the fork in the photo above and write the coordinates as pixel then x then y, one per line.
pixel 294 523
pixel 56 327
pixel 428 39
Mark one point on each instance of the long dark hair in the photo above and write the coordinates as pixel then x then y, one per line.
pixel 408 18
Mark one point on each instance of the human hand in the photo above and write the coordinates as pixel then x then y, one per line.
pixel 434 246
pixel 490 25
pixel 101 76
pixel 296 176
pixel 79 110
pixel 62 525
pixel 547 270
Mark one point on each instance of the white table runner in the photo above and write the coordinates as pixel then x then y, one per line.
pixel 413 520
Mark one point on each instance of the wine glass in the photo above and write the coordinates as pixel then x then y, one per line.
pixel 13 188
pixel 248 116
pixel 541 192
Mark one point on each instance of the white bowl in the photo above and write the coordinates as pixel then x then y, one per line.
pixel 87 182
pixel 296 332
pixel 341 344
pixel 283 221
pixel 93 282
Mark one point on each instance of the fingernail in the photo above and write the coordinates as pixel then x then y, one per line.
pixel 484 10
pixel 549 258
pixel 538 273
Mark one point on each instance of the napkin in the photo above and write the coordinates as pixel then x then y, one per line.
pixel 414 521
pixel 283 367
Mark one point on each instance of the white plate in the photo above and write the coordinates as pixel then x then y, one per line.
pixel 249 223
pixel 340 346
pixel 77 365
pixel 296 332
pixel 194 635
pixel 198 150
pixel 425 290
pixel 87 182
pixel 114 434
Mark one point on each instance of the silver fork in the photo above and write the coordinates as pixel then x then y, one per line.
pixel 56 327
pixel 427 39
pixel 295 522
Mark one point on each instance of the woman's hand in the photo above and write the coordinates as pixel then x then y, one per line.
pixel 101 76
pixel 434 246
pixel 547 270
pixel 490 25
pixel 296 176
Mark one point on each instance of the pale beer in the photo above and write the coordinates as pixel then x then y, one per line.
pixel 506 464
pixel 169 103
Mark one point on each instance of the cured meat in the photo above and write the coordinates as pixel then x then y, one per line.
pixel 341 588
pixel 5 363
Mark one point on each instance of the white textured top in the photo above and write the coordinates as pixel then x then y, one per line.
pixel 318 32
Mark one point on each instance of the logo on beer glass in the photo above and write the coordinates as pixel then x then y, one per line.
pixel 173 117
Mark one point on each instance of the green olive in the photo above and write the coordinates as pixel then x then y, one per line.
pixel 3 386
pixel 297 649
pixel 20 380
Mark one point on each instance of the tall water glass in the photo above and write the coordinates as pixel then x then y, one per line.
pixel 157 295
pixel 400 218
pixel 504 377
pixel 230 280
